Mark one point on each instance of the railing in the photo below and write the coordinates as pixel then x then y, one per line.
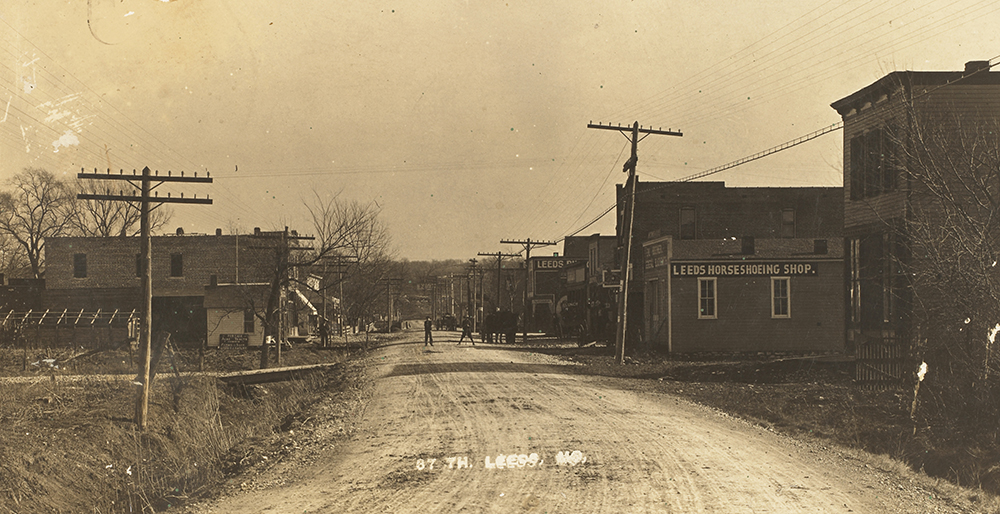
pixel 62 328
pixel 879 361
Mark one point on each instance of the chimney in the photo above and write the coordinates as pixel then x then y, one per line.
pixel 974 66
pixel 180 231
pixel 218 231
pixel 748 246
pixel 256 231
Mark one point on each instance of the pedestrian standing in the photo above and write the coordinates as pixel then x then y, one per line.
pixel 467 331
pixel 324 332
pixel 428 325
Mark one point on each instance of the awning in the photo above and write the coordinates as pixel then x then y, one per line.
pixel 306 302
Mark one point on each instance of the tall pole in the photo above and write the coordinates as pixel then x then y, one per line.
pixel 499 256
pixel 528 245
pixel 470 289
pixel 482 295
pixel 629 167
pixel 146 328
pixel 275 311
pixel 343 305
pixel 282 293
pixel 143 184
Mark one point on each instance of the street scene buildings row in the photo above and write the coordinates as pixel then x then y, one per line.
pixel 714 268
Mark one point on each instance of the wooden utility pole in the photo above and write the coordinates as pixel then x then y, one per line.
pixel 470 289
pixel 143 183
pixel 499 256
pixel 275 310
pixel 632 183
pixel 388 300
pixel 340 262
pixel 528 244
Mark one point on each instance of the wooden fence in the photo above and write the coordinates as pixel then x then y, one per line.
pixel 880 362
pixel 64 328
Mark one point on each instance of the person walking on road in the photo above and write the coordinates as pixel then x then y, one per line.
pixel 467 331
pixel 428 324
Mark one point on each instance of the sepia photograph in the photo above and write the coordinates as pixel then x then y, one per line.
pixel 639 256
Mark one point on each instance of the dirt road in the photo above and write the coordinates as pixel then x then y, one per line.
pixel 488 429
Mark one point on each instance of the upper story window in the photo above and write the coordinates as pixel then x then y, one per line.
pixel 176 265
pixel 873 170
pixel 687 226
pixel 788 223
pixel 79 265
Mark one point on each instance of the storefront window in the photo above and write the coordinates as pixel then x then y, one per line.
pixel 706 298
pixel 780 298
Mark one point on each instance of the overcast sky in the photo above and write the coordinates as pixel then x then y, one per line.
pixel 465 122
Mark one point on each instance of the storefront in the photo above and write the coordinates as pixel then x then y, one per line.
pixel 744 296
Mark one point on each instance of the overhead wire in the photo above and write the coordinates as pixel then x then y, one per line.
pixel 784 146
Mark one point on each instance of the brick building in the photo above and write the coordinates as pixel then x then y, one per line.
pixel 882 147
pixel 699 222
pixel 105 273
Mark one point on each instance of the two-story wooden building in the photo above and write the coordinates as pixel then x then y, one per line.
pixel 906 138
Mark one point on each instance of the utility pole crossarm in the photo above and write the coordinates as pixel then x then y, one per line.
pixel 641 130
pixel 137 199
pixel 207 179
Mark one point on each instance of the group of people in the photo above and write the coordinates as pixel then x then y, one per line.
pixel 466 331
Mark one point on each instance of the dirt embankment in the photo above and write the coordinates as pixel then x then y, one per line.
pixel 68 443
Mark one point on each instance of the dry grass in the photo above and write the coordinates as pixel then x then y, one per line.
pixel 72 446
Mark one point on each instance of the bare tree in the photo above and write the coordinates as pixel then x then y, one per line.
pixel 948 253
pixel 36 206
pixel 345 231
pixel 13 259
pixel 107 219
pixel 354 231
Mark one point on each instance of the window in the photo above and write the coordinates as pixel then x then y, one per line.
pixel 788 223
pixel 873 163
pixel 79 265
pixel 706 298
pixel 176 265
pixel 857 168
pixel 138 264
pixel 248 321
pixel 687 223
pixel 873 167
pixel 780 307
